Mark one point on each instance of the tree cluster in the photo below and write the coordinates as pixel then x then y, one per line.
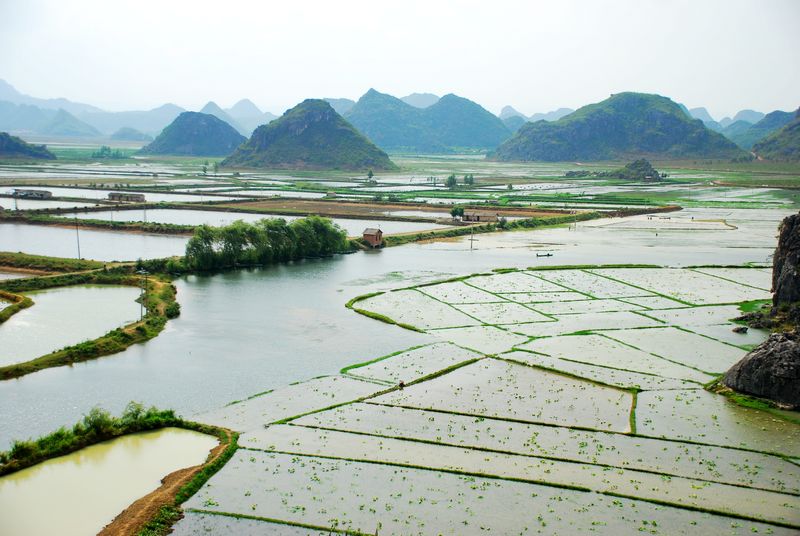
pixel 263 242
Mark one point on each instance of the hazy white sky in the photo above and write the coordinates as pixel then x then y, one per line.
pixel 536 55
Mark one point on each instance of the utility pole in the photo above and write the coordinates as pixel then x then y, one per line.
pixel 77 237
pixel 143 295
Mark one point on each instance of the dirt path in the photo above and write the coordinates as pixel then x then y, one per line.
pixel 131 520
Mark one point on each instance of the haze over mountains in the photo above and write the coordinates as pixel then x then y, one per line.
pixel 419 123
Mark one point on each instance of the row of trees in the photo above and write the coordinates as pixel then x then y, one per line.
pixel 263 242
pixel 452 181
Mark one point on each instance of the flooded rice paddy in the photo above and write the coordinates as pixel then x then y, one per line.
pixel 559 401
pixel 85 490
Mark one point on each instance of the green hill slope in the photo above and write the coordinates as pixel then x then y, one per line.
pixel 195 134
pixel 746 137
pixel 783 145
pixel 451 123
pixel 310 136
pixel 623 126
pixel 12 147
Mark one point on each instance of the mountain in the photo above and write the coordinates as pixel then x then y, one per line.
pixel 148 121
pixel 212 108
pixel 65 124
pixel 452 123
pixel 555 115
pixel 783 145
pixel 195 134
pixel 751 116
pixel 249 116
pixel 342 106
pixel 746 135
pixel 310 136
pixel 30 119
pixel 130 134
pixel 16 148
pixel 244 108
pixel 509 111
pixel 9 93
pixel 514 122
pixel 622 126
pixel 703 115
pixel 420 100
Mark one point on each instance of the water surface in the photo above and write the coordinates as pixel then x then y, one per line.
pixel 78 494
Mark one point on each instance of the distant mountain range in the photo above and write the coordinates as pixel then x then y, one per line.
pixel 195 134
pixel 624 125
pixel 514 119
pixel 130 134
pixel 310 136
pixel 782 145
pixel 342 106
pixel 12 147
pixel 420 100
pixel 450 124
pixel 745 134
pixel 28 119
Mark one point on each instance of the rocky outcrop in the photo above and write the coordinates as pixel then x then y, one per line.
pixel 786 263
pixel 771 371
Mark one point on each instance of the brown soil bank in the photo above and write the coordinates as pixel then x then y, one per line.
pixel 136 516
pixel 354 209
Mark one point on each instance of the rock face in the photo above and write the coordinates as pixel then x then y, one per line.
pixel 786 263
pixel 771 370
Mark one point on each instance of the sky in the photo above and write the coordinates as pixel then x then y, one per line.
pixel 536 55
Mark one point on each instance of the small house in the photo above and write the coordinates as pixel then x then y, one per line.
pixel 32 194
pixel 373 237
pixel 126 197
pixel 480 216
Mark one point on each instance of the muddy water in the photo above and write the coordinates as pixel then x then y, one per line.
pixel 80 493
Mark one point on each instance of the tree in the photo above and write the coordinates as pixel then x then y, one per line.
pixel 469 180
pixel 370 174
pixel 205 169
pixel 451 181
pixel 216 167
pixel 510 187
pixel 457 212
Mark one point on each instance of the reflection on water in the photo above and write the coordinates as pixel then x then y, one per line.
pixel 82 492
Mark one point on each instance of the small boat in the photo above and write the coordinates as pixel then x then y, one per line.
pixel 544 254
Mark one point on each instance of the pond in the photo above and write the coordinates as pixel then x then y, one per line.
pixel 80 493
pixel 98 245
pixel 64 316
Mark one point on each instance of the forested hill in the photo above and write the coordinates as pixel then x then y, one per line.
pixel 624 125
pixel 310 136
pixel 195 134
pixel 450 124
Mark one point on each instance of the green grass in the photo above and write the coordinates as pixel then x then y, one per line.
pixel 25 261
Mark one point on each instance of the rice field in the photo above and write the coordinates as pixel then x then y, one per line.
pixel 558 401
